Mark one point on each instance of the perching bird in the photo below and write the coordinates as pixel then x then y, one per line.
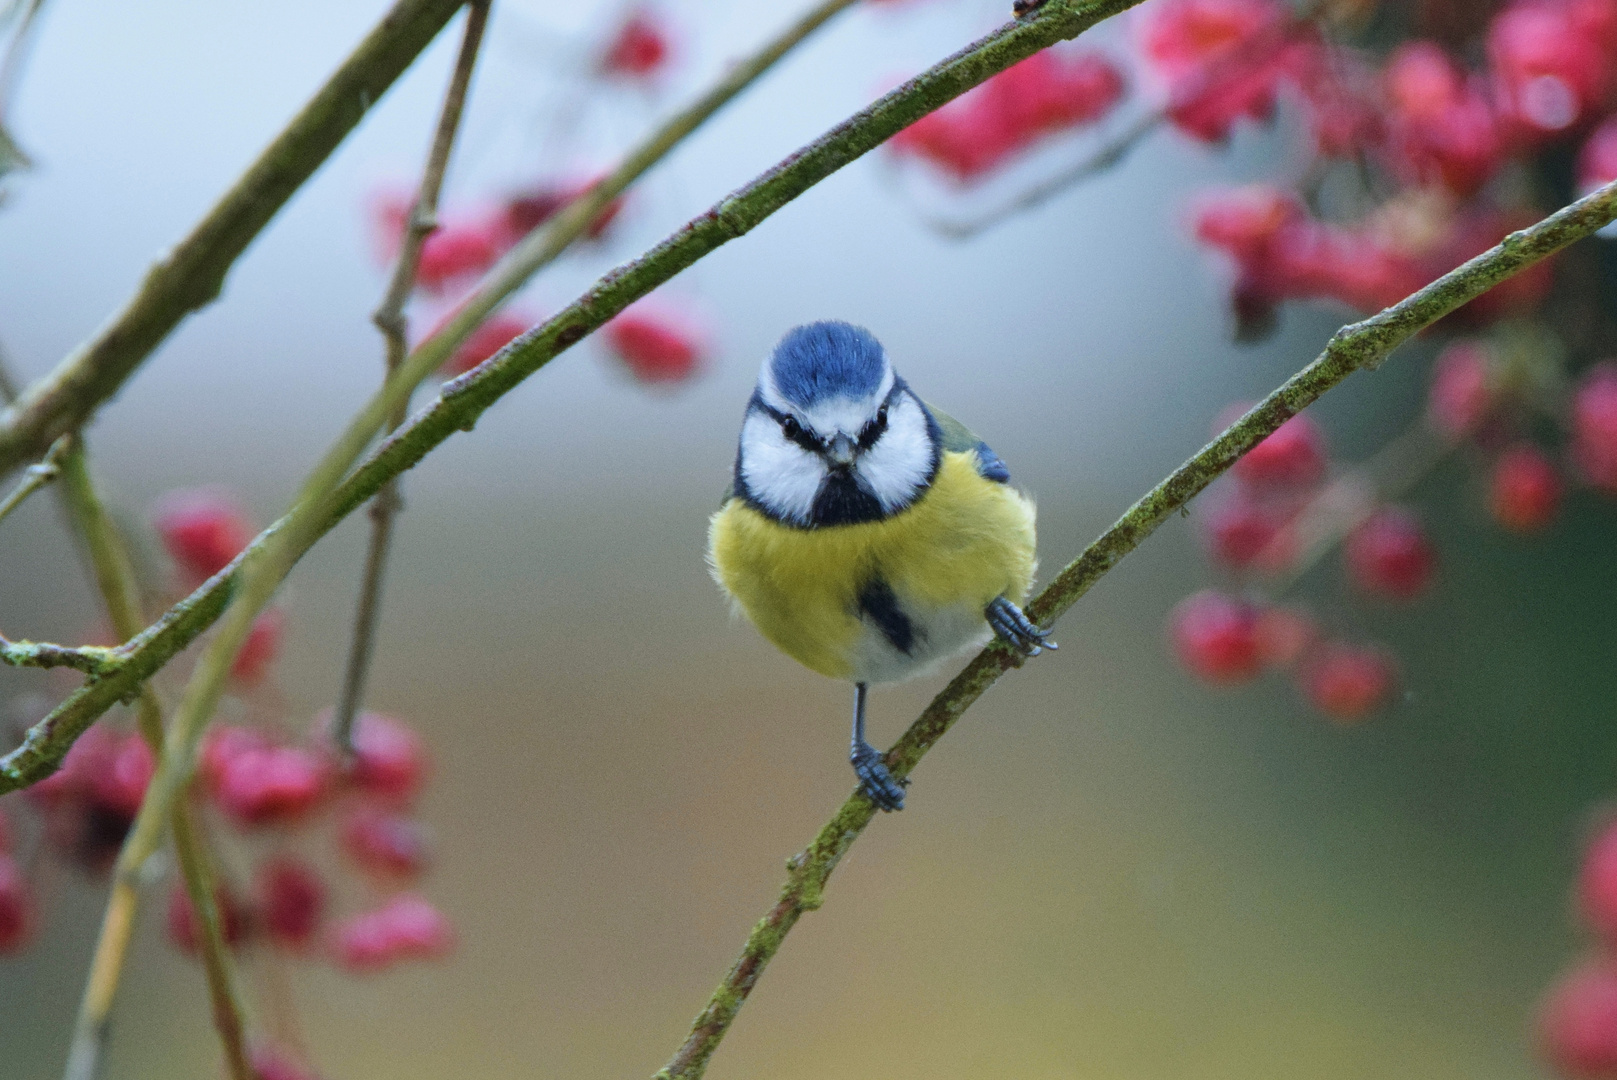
pixel 866 534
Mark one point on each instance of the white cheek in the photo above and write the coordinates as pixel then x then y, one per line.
pixel 779 473
pixel 895 468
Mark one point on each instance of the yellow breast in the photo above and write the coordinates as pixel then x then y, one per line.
pixel 961 544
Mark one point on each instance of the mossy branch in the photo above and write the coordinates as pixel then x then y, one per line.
pixel 191 275
pixel 93 660
pixel 1363 345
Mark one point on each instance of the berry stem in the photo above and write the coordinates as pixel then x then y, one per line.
pixel 390 320
pixel 35 477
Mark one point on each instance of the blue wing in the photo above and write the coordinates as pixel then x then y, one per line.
pixel 957 438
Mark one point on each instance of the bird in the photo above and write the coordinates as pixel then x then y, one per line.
pixel 867 534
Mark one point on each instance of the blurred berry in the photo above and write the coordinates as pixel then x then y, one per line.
pixel 1283 636
pixel 1552 62
pixel 456 251
pixel 1243 221
pixel 1525 490
pixel 1597 884
pixel 1216 637
pixel 639 49
pixel 407 927
pixel 391 845
pixel 1443 129
pixel 269 785
pixel 654 345
pixel 185 927
pixel 1577 1022
pixel 1243 533
pixel 261 647
pixel 985 127
pixel 1597 161
pixel 1594 427
pixel 1390 555
pixel 271 1063
pixel 202 530
pixel 527 210
pixel 291 900
pixel 1460 396
pixel 1293 456
pixel 16 907
pixel 1222 60
pixel 390 760
pixel 91 801
pixel 494 334
pixel 1346 682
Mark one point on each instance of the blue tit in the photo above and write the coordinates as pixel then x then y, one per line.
pixel 866 534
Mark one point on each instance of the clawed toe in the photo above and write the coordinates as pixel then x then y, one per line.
pixel 1016 629
pixel 878 784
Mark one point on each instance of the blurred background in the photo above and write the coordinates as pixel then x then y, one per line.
pixel 1107 870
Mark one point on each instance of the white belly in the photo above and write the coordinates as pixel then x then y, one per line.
pixel 940 633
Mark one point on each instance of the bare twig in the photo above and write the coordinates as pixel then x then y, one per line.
pixel 34 477
pixel 90 659
pixel 193 272
pixel 114 575
pixel 1363 345
pixel 389 319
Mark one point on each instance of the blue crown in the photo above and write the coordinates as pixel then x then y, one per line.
pixel 827 359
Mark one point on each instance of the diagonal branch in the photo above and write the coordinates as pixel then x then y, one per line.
pixel 465 399
pixel 35 477
pixel 191 275
pixel 389 318
pixel 1362 345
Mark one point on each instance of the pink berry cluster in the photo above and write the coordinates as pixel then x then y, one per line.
pixel 656 344
pixel 1577 1021
pixel 264 796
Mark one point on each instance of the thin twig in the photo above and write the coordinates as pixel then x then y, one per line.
pixel 115 580
pixel 390 320
pixel 1363 345
pixel 90 659
pixel 193 272
pixel 34 477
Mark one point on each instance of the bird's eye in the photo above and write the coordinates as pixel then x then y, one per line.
pixel 792 428
pixel 881 416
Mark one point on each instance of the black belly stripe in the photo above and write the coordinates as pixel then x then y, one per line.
pixel 877 602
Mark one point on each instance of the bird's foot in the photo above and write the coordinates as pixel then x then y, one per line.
pixel 879 785
pixel 1016 629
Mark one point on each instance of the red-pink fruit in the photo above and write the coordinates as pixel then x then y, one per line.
pixel 261 647
pixel 391 845
pixel 1597 161
pixel 1242 221
pixel 1443 129
pixel 390 760
pixel 1390 555
pixel 1347 682
pixel 1577 1022
pixel 1284 634
pixel 1216 637
pixel 1525 490
pixel 202 530
pixel 654 346
pixel 489 338
pixel 407 927
pixel 273 1063
pixel 531 208
pixel 1594 427
pixel 291 901
pixel 185 926
pixel 221 745
pixel 1246 533
pixel 1293 456
pixel 456 251
pixel 271 785
pixel 1551 62
pixel 1460 396
pixel 1597 883
pixel 16 907
pixel 638 50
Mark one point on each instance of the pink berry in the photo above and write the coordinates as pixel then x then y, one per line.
pixel 1347 682
pixel 1246 533
pixel 1551 62
pixel 1284 635
pixel 1242 221
pixel 457 251
pixel 390 760
pixel 259 650
pixel 530 209
pixel 407 927
pixel 202 530
pixel 291 901
pixel 1390 555
pixel 185 927
pixel 1293 456
pixel 1594 427
pixel 1526 490
pixel 493 335
pixel 273 1063
pixel 16 907
pixel 1216 637
pixel 222 744
pixel 654 346
pixel 1443 129
pixel 1461 396
pixel 1597 161
pixel 638 50
pixel 1577 1022
pixel 1597 883
pixel 272 785
pixel 388 844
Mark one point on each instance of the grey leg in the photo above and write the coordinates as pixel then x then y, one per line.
pixel 878 784
pixel 1016 629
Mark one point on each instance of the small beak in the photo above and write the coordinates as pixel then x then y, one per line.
pixel 842 451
